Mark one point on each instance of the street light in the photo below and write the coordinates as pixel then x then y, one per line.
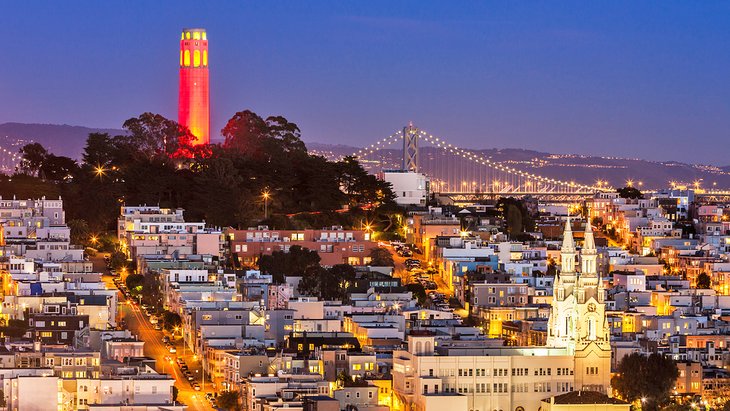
pixel 266 196
pixel 99 171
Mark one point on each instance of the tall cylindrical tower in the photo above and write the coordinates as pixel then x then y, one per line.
pixel 194 101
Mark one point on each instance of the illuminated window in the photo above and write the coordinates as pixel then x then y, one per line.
pixel 196 35
pixel 205 37
pixel 181 57
pixel 182 36
pixel 205 58
pixel 187 35
pixel 186 58
pixel 196 58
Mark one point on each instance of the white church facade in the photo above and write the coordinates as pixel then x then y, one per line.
pixel 577 356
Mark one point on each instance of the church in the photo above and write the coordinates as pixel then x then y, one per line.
pixel 577 355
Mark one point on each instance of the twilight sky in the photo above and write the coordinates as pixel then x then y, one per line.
pixel 625 78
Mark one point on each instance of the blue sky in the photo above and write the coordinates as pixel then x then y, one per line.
pixel 624 78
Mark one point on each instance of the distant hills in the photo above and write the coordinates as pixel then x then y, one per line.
pixel 70 140
pixel 61 139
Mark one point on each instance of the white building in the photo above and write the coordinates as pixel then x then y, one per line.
pixel 410 188
pixel 428 376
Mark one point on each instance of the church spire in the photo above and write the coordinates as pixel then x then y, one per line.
pixel 568 243
pixel 567 252
pixel 589 244
pixel 588 254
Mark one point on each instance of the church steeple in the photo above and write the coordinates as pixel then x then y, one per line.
pixel 567 252
pixel 588 255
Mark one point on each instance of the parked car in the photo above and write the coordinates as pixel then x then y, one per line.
pixel 180 361
pixel 154 320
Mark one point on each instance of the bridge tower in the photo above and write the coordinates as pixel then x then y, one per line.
pixel 410 148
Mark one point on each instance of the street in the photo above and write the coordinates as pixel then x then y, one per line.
pixel 139 325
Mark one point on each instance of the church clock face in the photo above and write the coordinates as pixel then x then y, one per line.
pixel 591 307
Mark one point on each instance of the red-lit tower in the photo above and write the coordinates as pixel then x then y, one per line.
pixel 194 102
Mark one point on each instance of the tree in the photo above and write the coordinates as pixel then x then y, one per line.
pixel 650 377
pixel 154 136
pixel 361 187
pixel 34 156
pixel 381 257
pixel 117 260
pixel 58 168
pixel 328 283
pixel 228 400
pixel 14 328
pixel 630 192
pixel 704 281
pixel 514 220
pixel 418 292
pixel 135 283
pixel 152 289
pixel 171 320
pixel 295 263
pixel 79 231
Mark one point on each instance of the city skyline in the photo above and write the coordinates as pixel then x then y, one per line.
pixel 631 80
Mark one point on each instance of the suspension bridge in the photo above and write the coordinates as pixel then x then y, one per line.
pixel 467 176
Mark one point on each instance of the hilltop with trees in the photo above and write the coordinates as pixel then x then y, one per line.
pixel 155 162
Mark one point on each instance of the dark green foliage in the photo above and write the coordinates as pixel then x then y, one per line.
pixel 295 263
pixel 419 292
pixel 228 400
pixel 171 320
pixel 155 164
pixel 135 283
pixel 34 155
pixel 117 260
pixel 651 378
pixel 328 283
pixel 381 257
pixel 38 161
pixel 80 233
pixel 13 328
pixel 630 192
pixel 515 214
pixel 704 281
pixel 27 186
pixel 152 290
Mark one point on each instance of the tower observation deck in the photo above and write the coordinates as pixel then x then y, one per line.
pixel 194 92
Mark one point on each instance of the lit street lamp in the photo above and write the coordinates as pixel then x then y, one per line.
pixel 266 196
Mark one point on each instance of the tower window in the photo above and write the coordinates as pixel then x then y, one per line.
pixel 205 58
pixel 186 58
pixel 196 58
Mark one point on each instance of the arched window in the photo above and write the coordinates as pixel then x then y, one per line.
pixel 196 35
pixel 196 58
pixel 181 58
pixel 187 35
pixel 186 58
pixel 591 329
pixel 205 58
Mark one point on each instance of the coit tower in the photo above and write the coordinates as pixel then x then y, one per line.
pixel 194 98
